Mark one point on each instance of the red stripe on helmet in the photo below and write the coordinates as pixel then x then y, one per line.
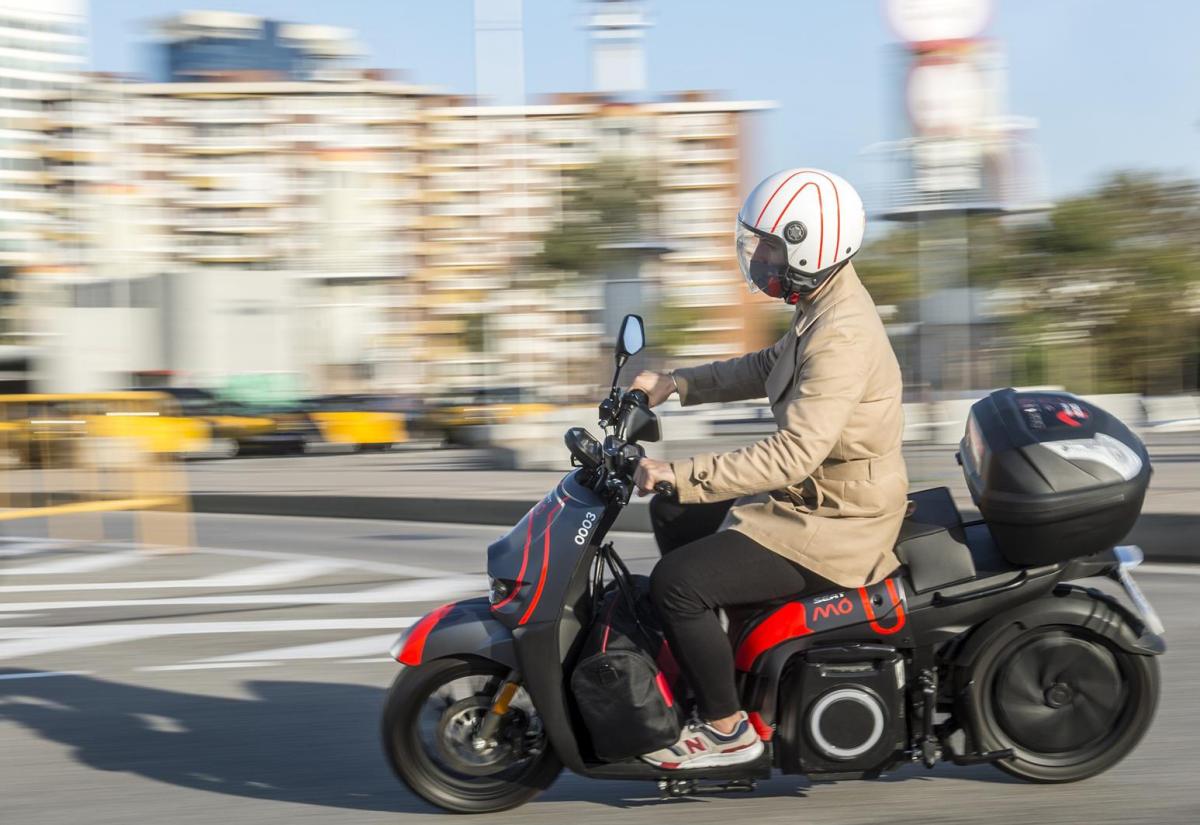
pixel 837 199
pixel 820 206
pixel 773 194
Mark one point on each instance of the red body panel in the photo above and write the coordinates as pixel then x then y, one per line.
pixel 825 611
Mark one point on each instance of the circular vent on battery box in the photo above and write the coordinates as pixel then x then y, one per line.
pixel 846 723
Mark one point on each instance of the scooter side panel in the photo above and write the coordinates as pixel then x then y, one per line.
pixel 537 558
pixel 465 628
pixel 881 606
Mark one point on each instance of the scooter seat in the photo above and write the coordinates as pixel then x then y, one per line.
pixel 932 544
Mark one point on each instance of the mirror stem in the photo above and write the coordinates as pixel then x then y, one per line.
pixel 617 373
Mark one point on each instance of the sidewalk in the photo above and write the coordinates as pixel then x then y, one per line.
pixel 457 486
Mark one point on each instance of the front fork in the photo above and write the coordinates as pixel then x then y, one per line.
pixel 485 737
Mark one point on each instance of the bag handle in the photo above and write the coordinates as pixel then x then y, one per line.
pixel 622 577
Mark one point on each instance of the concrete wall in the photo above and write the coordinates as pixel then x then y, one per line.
pixel 92 349
pixel 230 322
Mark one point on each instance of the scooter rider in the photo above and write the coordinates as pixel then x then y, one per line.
pixel 819 503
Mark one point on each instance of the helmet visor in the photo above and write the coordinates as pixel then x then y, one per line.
pixel 763 260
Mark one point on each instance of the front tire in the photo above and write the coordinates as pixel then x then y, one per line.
pixel 1069 702
pixel 427 719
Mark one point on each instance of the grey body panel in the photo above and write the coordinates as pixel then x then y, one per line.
pixel 468 630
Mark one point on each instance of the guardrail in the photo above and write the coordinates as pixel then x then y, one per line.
pixel 70 458
pixel 535 440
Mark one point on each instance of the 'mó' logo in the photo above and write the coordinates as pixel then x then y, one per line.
pixel 840 608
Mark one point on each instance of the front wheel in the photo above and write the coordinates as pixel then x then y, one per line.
pixel 430 718
pixel 1069 702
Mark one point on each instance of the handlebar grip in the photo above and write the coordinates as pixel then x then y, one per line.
pixel 665 488
pixel 638 397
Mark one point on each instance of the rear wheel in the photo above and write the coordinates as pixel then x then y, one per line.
pixel 430 719
pixel 1069 702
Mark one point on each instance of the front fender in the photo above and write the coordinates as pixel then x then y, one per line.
pixel 465 628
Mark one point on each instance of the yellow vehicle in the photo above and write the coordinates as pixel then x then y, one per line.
pixel 351 420
pixel 236 429
pixel 53 429
pixel 497 405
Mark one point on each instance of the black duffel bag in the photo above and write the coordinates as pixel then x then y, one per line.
pixel 624 697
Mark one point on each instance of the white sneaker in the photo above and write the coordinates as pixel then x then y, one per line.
pixel 703 746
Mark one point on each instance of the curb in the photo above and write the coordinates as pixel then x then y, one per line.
pixel 1165 537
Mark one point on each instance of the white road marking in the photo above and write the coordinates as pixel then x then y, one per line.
pixel 161 724
pixel 43 674
pixel 341 649
pixel 261 576
pixel 408 571
pixel 206 666
pixel 78 563
pixel 33 641
pixel 1163 569
pixel 411 591
pixel 29 548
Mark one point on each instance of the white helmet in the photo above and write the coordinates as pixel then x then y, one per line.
pixel 796 230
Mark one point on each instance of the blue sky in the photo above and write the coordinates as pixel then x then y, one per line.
pixel 1113 84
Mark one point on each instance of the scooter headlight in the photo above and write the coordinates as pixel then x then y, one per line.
pixel 498 590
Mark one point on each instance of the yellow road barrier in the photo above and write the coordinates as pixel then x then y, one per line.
pixel 72 458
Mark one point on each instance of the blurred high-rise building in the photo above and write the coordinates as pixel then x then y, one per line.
pixel 353 233
pixel 216 230
pixel 209 45
pixel 41 52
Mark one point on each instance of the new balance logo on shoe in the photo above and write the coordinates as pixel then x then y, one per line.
pixel 695 745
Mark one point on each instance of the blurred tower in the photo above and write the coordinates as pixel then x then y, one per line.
pixel 618 60
pixel 499 52
pixel 961 155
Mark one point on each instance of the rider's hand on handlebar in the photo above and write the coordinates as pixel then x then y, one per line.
pixel 650 472
pixel 658 386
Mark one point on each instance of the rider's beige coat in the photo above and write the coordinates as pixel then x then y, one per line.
pixel 828 488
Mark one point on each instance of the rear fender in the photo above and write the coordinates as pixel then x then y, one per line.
pixel 465 628
pixel 1068 604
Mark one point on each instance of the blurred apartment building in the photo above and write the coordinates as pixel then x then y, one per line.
pixel 343 231
pixel 41 51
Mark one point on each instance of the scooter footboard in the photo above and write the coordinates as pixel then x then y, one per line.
pixel 465 628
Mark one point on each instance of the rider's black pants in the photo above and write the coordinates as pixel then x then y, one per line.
pixel 703 569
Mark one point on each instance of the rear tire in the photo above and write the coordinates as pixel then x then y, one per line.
pixel 1068 701
pixel 424 766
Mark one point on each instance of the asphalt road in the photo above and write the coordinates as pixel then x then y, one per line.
pixel 242 683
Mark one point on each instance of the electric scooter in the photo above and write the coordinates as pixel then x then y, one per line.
pixel 983 647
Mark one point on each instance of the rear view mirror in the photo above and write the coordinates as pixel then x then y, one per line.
pixel 632 337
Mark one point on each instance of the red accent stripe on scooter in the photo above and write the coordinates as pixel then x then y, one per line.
pixel 414 645
pixel 537 594
pixel 664 689
pixel 524 562
pixel 787 622
pixel 765 731
pixel 897 602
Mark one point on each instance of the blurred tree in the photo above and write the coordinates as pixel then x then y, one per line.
pixel 888 266
pixel 613 201
pixel 1115 273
